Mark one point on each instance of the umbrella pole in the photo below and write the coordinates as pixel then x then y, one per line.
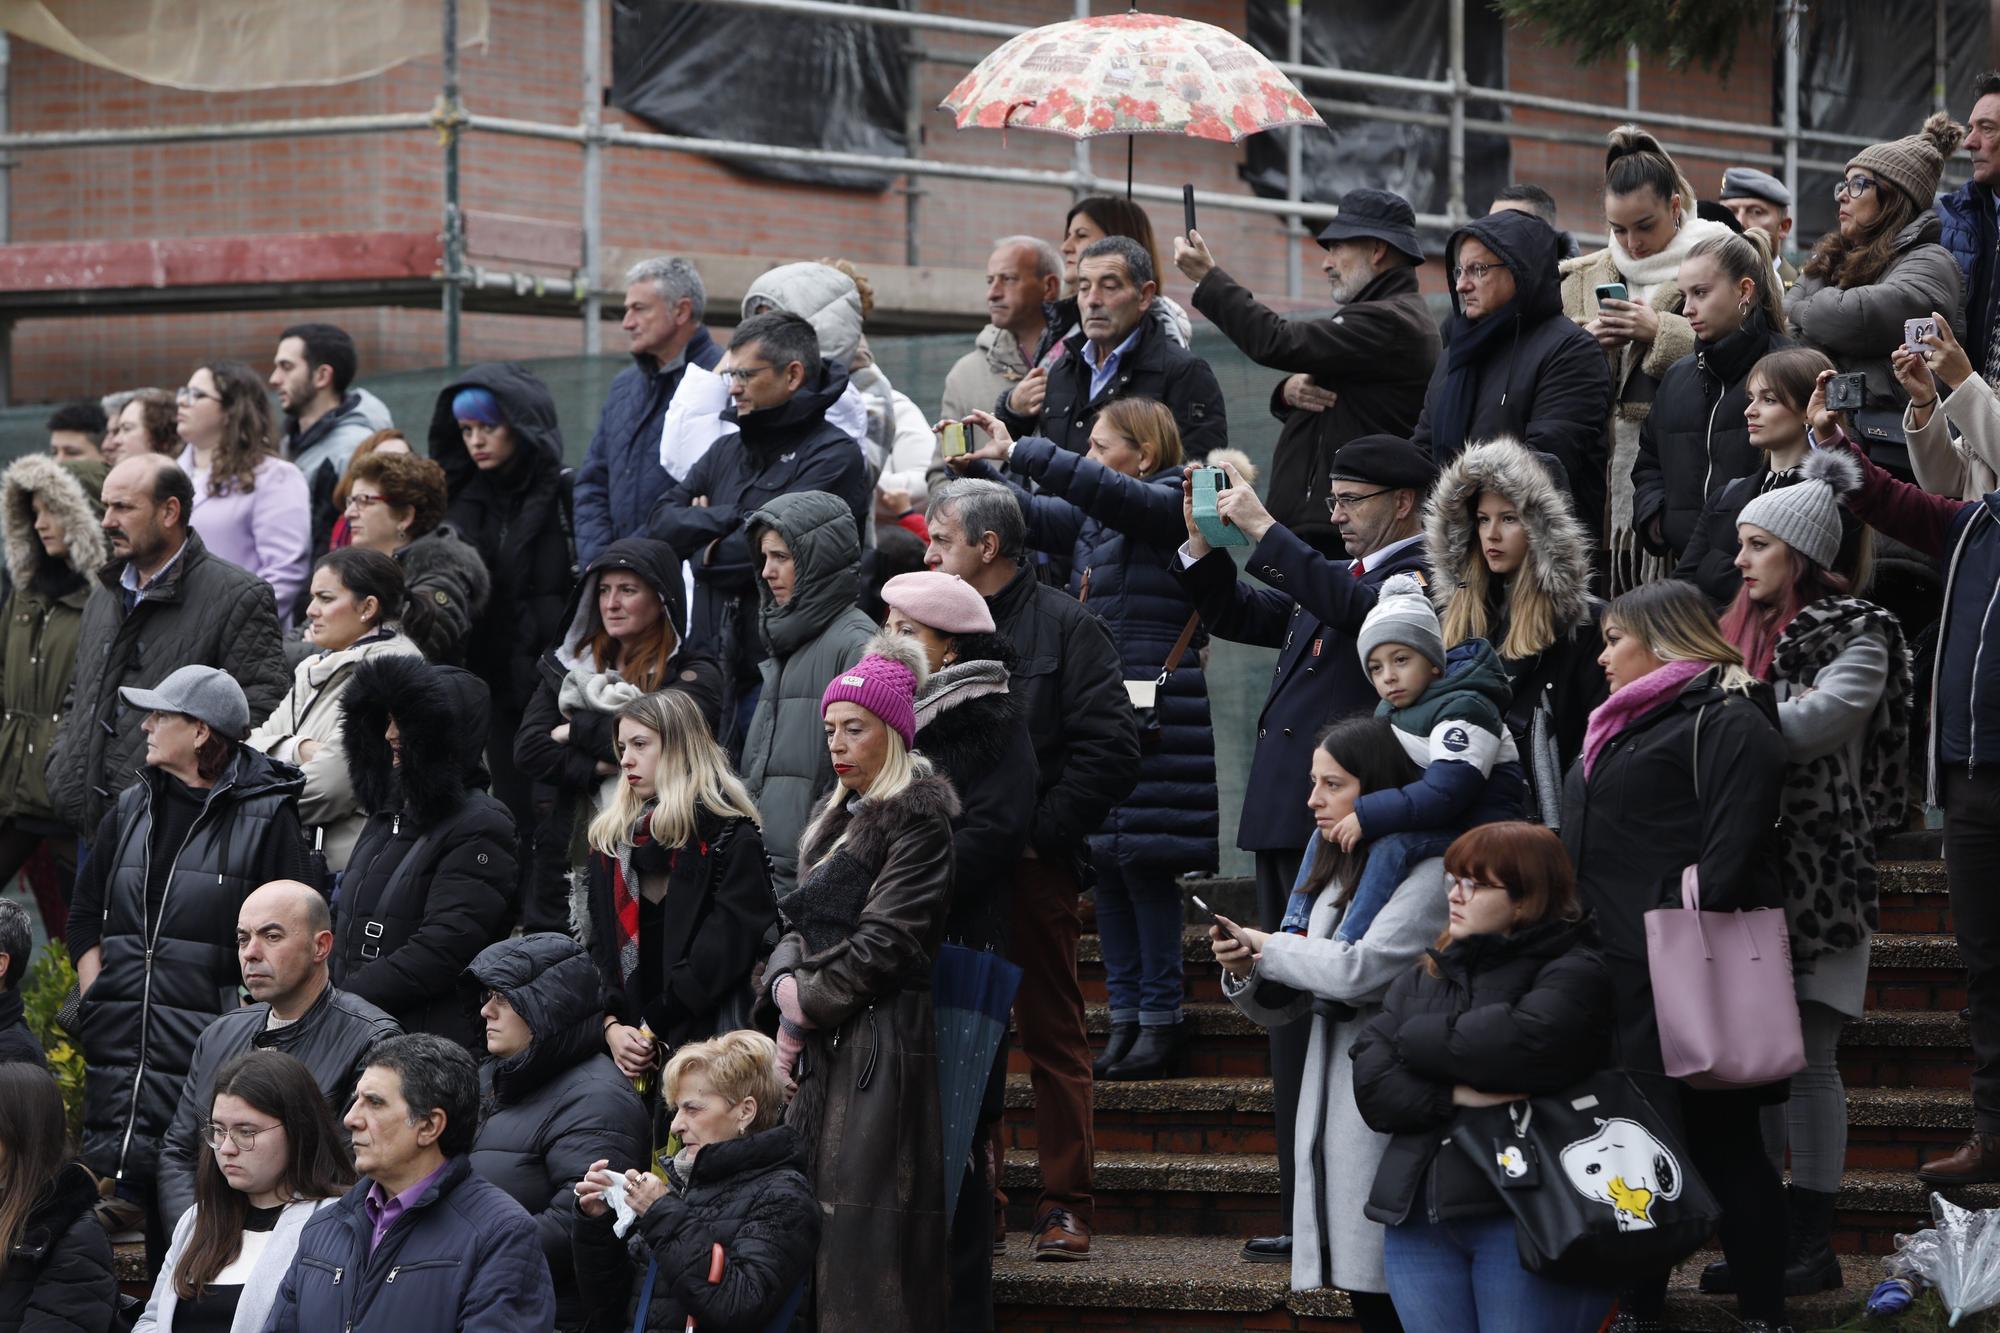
pixel 1128 167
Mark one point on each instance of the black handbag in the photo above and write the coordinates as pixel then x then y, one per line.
pixel 1600 1185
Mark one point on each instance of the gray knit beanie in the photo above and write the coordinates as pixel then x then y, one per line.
pixel 1914 165
pixel 1402 614
pixel 1806 515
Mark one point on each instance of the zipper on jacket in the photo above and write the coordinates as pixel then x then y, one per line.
pixel 1708 444
pixel 152 937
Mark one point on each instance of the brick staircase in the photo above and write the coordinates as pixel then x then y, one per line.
pixel 1187 1167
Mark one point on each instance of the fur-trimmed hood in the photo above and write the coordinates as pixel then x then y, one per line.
pixel 70 490
pixel 1558 542
pixel 442 715
pixel 867 828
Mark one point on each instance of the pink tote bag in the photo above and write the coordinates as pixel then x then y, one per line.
pixel 1722 990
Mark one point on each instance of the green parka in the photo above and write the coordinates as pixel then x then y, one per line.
pixel 44 619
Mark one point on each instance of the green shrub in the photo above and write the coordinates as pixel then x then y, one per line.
pixel 48 982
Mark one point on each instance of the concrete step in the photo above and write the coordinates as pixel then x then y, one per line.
pixel 1198 1282
pixel 1184 1115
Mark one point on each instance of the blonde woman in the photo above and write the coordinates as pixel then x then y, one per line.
pixel 737 1184
pixel 1511 564
pixel 680 830
pixel 1683 766
pixel 851 982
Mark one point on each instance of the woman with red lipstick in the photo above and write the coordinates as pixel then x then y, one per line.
pixel 1510 564
pixel 678 894
pixel 1683 765
pixel 850 988
pixel 626 638
pixel 272 1156
pixel 1780 388
pixel 1841 671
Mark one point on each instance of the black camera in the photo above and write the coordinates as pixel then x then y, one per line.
pixel 1846 393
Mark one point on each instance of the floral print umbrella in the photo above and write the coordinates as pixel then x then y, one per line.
pixel 1129 73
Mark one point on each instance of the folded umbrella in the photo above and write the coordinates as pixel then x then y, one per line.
pixel 972 992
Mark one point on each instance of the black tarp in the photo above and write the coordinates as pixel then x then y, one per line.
pixel 1866 68
pixel 1408 39
pixel 765 78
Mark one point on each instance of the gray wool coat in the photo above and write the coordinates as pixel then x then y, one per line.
pixel 1858 327
pixel 1333 1244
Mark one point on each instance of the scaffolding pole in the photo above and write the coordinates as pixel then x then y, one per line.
pixel 1295 154
pixel 451 116
pixel 593 176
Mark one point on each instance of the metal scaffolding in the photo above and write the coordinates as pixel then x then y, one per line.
pixel 1779 146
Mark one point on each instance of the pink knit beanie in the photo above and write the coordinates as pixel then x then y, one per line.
pixel 885 683
pixel 942 602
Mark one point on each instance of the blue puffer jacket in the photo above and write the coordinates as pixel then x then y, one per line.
pixel 464 1256
pixel 621 478
pixel 1121 536
pixel 1969 233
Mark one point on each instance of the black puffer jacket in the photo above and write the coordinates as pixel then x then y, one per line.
pixel 972 725
pixel 549 1112
pixel 785 450
pixel 718 908
pixel 431 880
pixel 570 769
pixel 1655 803
pixel 517 517
pixel 58 1275
pixel 1528 1012
pixel 748 1195
pixel 167 938
pixel 1695 441
pixel 448 587
pixel 1072 688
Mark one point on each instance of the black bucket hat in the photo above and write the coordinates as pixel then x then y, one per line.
pixel 1376 215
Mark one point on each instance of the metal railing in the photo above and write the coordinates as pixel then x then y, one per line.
pixel 1779 145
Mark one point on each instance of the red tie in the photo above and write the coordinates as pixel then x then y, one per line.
pixel 1357 569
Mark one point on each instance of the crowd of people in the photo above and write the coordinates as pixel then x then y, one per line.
pixel 595 843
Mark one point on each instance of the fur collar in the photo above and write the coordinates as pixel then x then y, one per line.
pixel 441 713
pixel 868 827
pixel 968 732
pixel 1555 538
pixel 38 474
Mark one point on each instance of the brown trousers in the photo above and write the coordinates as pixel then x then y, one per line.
pixel 1048 1015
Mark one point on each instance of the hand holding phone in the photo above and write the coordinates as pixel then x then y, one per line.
pixel 1916 330
pixel 1208 482
pixel 1611 291
pixel 1187 209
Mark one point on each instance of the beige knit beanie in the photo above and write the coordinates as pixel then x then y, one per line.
pixel 1914 165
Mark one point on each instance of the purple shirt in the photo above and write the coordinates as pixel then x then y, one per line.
pixel 383 1209
pixel 267 531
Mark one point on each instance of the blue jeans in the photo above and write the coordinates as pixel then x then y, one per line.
pixel 1139 928
pixel 1389 860
pixel 1466 1277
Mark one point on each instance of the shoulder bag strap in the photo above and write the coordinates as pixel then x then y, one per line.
pixel 1181 645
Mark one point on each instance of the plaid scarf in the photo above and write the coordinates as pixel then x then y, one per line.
pixel 642 855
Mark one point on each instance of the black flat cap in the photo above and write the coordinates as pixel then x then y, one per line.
pixel 1385 460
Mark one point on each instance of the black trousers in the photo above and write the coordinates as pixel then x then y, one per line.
pixel 1724 1135
pixel 1275 873
pixel 1972 869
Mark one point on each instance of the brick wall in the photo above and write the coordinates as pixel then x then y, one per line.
pixel 530 69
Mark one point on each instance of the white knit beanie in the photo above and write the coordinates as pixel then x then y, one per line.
pixel 1403 614
pixel 1806 514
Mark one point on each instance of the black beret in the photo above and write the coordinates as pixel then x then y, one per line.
pixel 1385 460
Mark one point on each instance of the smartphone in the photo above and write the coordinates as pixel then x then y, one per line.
pixel 1916 330
pixel 1611 291
pixel 951 439
pixel 1208 483
pixel 1187 208
pixel 1847 393
pixel 1216 917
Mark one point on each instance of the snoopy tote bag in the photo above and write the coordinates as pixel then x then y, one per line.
pixel 1601 1190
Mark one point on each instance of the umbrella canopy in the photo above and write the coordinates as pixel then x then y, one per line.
pixel 1129 74
pixel 971 994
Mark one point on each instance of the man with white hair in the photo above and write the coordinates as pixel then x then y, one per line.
pixel 621 478
pixel 1023 278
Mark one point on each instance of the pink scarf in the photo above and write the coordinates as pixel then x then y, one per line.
pixel 1627 702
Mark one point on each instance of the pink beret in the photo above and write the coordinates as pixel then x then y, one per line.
pixel 943 602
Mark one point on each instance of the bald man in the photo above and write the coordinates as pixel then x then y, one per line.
pixel 283 936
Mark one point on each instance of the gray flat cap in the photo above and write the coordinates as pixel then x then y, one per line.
pixel 1750 183
pixel 202 692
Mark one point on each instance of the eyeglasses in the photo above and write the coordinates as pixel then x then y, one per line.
pixel 742 374
pixel 1458 886
pixel 1337 502
pixel 1853 187
pixel 187 393
pixel 243 1136
pixel 1477 272
pixel 361 504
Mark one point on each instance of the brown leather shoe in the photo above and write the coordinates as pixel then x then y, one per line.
pixel 1977 1161
pixel 1059 1235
